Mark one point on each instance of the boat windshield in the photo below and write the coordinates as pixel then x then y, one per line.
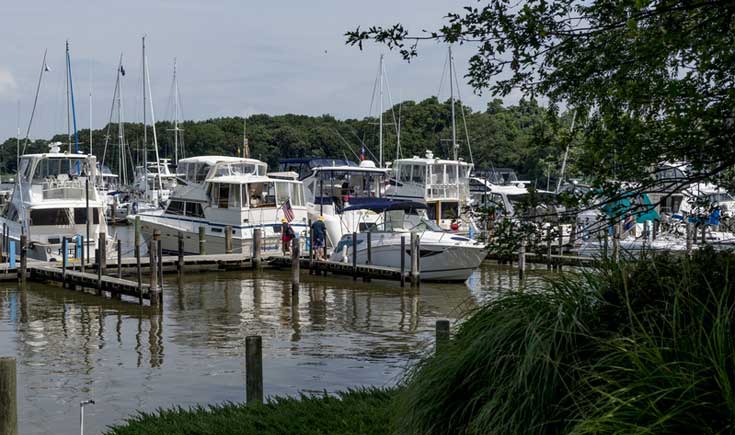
pixel 400 221
pixel 54 167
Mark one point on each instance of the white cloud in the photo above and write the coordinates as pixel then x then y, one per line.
pixel 7 83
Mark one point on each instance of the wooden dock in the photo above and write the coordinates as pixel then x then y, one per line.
pixel 43 272
pixel 339 268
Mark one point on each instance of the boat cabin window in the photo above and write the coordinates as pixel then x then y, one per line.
pixel 292 191
pixel 63 216
pixel 175 207
pixel 194 209
pixel 418 175
pixel 56 166
pixel 225 195
pixel 404 174
pixel 261 195
pixel 451 174
pixel 195 172
pixel 450 210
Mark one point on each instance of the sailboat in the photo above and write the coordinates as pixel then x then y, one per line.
pixel 443 184
pixel 55 194
pixel 154 181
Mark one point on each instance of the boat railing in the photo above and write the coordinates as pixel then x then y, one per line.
pixel 55 188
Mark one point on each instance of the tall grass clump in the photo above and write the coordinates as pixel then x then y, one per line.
pixel 637 347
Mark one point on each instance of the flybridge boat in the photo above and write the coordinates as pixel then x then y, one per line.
pixel 332 186
pixel 443 256
pixel 227 191
pixel 442 184
pixel 49 202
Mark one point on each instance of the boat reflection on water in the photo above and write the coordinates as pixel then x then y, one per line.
pixel 334 334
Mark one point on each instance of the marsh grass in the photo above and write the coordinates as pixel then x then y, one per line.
pixel 637 347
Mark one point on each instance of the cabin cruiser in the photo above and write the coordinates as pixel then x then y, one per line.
pixel 156 183
pixel 442 184
pixel 222 191
pixel 331 186
pixel 49 202
pixel 443 256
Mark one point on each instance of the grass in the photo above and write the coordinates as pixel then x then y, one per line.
pixel 363 411
pixel 643 347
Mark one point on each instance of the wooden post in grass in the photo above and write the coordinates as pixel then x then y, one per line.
pixel 295 265
pixel 253 369
pixel 442 335
pixel 228 239
pixel 257 247
pixel 202 240
pixel 8 397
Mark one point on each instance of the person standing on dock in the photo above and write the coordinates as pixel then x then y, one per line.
pixel 287 235
pixel 319 232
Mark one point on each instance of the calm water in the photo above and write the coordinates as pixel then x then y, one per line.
pixel 337 334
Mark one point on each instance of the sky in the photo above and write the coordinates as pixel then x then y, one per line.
pixel 234 57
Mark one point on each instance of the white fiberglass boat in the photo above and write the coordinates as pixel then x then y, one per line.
pixel 225 191
pixel 443 256
pixel 49 202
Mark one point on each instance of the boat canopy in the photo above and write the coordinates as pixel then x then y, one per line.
pixel 637 204
pixel 380 205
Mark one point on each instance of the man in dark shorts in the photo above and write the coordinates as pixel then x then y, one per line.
pixel 319 234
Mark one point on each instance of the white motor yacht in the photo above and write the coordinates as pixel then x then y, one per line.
pixel 227 191
pixel 331 186
pixel 443 256
pixel 442 184
pixel 49 202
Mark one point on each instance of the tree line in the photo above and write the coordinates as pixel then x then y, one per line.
pixel 524 137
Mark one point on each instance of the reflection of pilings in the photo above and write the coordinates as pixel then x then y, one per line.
pixel 139 343
pixel 155 341
pixel 257 298
pixel 295 317
pixel 317 305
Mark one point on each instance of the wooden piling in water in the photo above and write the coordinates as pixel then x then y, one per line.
pixel 202 240
pixel 253 369
pixel 2 246
pixel 8 397
pixel 257 247
pixel 82 259
pixel 23 257
pixel 522 259
pixel 119 258
pixel 153 265
pixel 403 261
pixel 442 335
pixel 354 256
pixel 137 260
pixel 102 244
pixel 99 270
pixel 114 212
pixel 414 260
pixel 295 265
pixel 369 240
pixel 228 239
pixel 64 260
pixel 180 262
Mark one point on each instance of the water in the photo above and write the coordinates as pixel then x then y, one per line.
pixel 338 334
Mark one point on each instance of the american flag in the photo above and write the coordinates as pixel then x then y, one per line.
pixel 288 211
pixel 362 153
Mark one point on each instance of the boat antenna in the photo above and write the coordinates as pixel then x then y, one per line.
pixel 44 68
pixel 380 128
pixel 464 118
pixel 176 117
pixel 91 81
pixel 245 143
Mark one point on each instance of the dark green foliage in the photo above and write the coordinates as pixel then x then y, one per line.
pixel 365 411
pixel 518 137
pixel 641 347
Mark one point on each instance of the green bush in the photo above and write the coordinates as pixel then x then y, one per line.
pixel 363 411
pixel 638 347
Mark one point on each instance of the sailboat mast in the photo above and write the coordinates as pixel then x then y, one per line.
pixel 451 93
pixel 145 129
pixel 73 108
pixel 380 123
pixel 245 143
pixel 68 103
pixel 176 117
pixel 147 77
pixel 121 127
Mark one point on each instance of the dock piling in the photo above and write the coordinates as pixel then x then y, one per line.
pixel 202 240
pixel 180 262
pixel 295 266
pixel 153 266
pixel 561 247
pixel 369 237
pixel 8 397
pixel 442 335
pixel 119 258
pixel 414 260
pixel 354 256
pixel 403 261
pixel 522 259
pixel 102 244
pixel 548 248
pixel 64 259
pixel 99 270
pixel 253 369
pixel 82 259
pixel 257 247
pixel 137 260
pixel 228 239
pixel 23 257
